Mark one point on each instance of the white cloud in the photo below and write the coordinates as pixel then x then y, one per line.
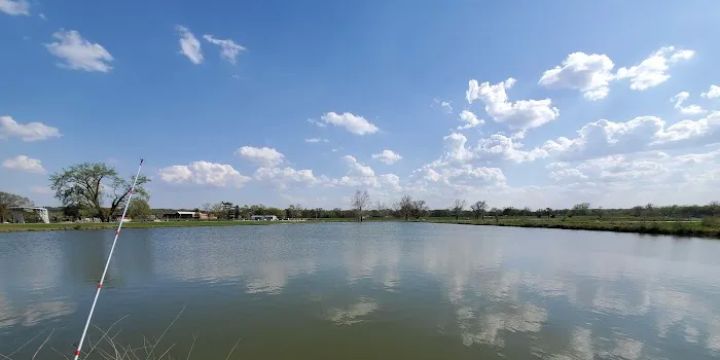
pixel 316 140
pixel 388 157
pixel 498 146
pixel 78 53
pixel 653 70
pixel 470 119
pixel 605 137
pixel 15 7
pixel 521 114
pixel 444 105
pixel 189 45
pixel 286 175
pixel 590 74
pixel 680 98
pixel 265 156
pixel 357 168
pixel 712 93
pixel 353 123
pixel 203 173
pixel 454 169
pixel 613 168
pixel 24 163
pixel 33 131
pixel 229 50
pixel 361 175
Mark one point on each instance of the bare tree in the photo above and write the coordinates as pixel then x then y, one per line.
pixel 405 207
pixel 457 208
pixel 478 208
pixel 359 202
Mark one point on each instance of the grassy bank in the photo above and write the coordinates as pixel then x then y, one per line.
pixel 678 227
pixel 129 225
pixel 661 226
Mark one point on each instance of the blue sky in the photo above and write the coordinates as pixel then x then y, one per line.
pixel 591 112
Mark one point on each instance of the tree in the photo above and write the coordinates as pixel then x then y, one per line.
pixel 139 209
pixel 87 186
pixel 7 201
pixel 405 207
pixel 457 208
pixel 581 208
pixel 359 202
pixel 478 208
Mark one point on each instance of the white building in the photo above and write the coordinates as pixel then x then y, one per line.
pixel 264 217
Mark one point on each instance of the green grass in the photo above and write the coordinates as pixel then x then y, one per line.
pixel 678 227
pixel 129 225
pixel 709 227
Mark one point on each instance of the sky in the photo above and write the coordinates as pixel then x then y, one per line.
pixel 519 103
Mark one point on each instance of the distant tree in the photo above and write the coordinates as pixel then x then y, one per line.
pixel 419 209
pixel 216 210
pixel 87 186
pixel 236 212
pixel 8 200
pixel 714 208
pixel 405 207
pixel 581 208
pixel 637 211
pixel 139 209
pixel 360 202
pixel 457 208
pixel 478 208
pixel 548 212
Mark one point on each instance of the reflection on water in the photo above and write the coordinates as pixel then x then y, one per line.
pixel 354 313
pixel 420 290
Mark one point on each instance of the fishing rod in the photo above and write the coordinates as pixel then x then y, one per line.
pixel 107 264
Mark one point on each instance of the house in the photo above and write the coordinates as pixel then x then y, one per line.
pixel 264 217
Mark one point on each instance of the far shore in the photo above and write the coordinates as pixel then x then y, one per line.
pixel 659 226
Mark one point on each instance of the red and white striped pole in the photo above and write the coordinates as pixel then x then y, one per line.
pixel 107 264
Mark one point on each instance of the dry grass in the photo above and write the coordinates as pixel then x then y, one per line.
pixel 103 344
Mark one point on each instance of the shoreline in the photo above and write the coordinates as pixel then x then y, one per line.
pixel 683 228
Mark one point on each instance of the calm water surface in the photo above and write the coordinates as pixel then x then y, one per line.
pixel 369 291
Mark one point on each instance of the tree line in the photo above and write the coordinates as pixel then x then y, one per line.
pixel 96 190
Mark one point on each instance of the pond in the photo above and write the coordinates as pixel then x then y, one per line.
pixel 357 291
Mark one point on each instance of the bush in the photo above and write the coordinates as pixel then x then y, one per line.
pixel 711 221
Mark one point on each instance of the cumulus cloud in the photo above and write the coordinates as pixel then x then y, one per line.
pixel 589 73
pixel 455 168
pixel 470 119
pixel 357 168
pixel 388 157
pixel 353 123
pixel 653 70
pixel 679 100
pixel 285 176
pixel 189 45
pixel 265 156
pixel 501 147
pixel 203 173
pixel 78 53
pixel 24 163
pixel 363 175
pixel 15 7
pixel 604 137
pixel 33 131
pixel 521 114
pixel 612 168
pixel 229 49
pixel 712 93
